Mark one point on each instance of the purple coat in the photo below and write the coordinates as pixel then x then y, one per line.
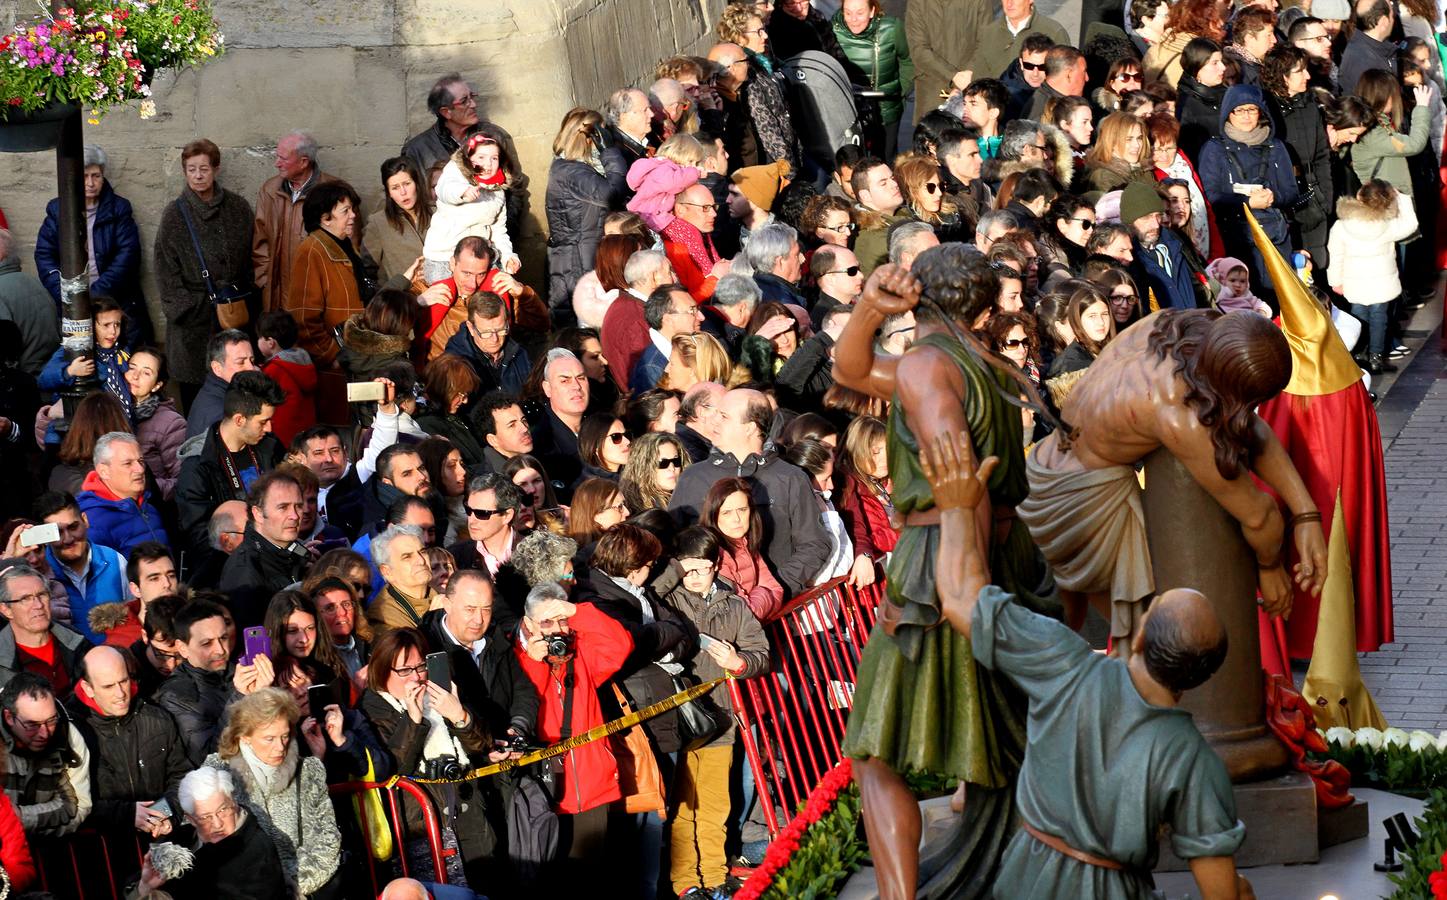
pixel 160 436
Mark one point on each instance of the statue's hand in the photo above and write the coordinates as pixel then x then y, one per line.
pixel 891 290
pixel 1275 590
pixel 947 466
pixel 1311 557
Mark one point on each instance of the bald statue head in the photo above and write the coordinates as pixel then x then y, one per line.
pixel 1182 642
pixel 106 680
pixel 404 889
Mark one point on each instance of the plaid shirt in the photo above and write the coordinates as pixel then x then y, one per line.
pixel 50 790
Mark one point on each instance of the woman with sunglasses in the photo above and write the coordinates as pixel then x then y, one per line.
pixel 1122 154
pixel 652 471
pixel 604 445
pixel 1121 294
pixel 924 199
pixel 1015 336
pixel 1074 222
pixel 1123 77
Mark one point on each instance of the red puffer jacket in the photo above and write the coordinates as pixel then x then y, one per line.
pixel 867 519
pixel 14 851
pixel 294 371
pixel 590 774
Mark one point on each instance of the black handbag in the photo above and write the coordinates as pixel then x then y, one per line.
pixel 700 721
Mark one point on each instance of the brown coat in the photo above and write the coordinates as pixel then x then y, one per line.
pixel 276 236
pixel 323 295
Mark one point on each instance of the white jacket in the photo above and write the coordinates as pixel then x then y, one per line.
pixel 1363 250
pixel 455 219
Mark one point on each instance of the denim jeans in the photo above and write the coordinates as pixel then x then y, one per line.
pixel 1375 318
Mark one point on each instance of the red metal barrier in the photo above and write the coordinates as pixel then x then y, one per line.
pixel 397 825
pixel 59 864
pixel 792 719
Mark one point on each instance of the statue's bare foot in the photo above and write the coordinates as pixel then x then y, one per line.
pixel 957 802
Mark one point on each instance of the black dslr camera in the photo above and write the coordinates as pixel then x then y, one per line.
pixel 560 646
pixel 445 767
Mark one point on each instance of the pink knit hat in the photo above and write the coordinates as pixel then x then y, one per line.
pixel 657 182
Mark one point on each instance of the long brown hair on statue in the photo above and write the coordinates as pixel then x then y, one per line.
pixel 1230 364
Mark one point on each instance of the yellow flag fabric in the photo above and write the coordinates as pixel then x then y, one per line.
pixel 1333 684
pixel 1320 363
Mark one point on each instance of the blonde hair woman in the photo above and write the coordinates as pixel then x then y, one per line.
pixel 286 793
pixel 1122 154
pixel 577 202
pixel 924 198
pixel 696 358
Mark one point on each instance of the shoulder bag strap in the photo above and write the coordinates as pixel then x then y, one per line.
pixel 196 245
pixel 568 686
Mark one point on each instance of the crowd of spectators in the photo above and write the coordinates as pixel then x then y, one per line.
pixel 569 492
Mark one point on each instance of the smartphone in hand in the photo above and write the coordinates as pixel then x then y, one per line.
pixel 256 643
pixel 439 670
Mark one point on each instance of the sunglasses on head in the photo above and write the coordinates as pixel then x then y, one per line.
pixel 674 463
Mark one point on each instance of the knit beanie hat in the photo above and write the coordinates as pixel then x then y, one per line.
pixel 761 184
pixel 1139 199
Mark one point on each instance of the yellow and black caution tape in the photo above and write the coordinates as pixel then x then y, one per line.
pixel 587 737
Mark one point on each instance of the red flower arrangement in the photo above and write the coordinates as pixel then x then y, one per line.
pixel 820 802
pixel 1438 881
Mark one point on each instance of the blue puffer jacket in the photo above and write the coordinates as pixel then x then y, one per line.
pixel 1226 163
pixel 118 523
pixel 105 582
pixel 117 254
pixel 54 379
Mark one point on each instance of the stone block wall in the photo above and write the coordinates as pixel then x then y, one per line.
pixel 356 76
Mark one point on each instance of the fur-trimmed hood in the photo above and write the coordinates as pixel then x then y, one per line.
pixel 1350 209
pixel 1062 160
pixel 358 338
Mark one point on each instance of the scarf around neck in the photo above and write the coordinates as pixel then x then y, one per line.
pixel 109 362
pixel 147 408
pixel 699 245
pixel 270 779
pixel 1253 138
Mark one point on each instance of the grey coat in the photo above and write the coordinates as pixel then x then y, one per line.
pixel 25 301
pixel 224 226
pixel 298 818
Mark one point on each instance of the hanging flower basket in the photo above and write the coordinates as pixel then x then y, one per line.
pixel 96 55
pixel 22 132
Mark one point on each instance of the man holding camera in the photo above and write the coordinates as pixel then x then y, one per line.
pixel 568 651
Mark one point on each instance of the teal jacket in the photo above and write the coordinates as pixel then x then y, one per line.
pixel 882 51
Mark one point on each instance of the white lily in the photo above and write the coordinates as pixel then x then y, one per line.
pixel 1395 737
pixel 1370 737
pixel 1421 741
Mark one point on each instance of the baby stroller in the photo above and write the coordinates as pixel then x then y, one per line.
pixel 826 111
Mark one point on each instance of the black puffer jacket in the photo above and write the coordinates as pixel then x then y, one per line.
pixel 576 204
pixel 196 699
pixel 1199 112
pixel 133 758
pixel 204 485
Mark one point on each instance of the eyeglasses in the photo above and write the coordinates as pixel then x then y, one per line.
pixel 851 271
pixel 38 599
pixel 759 30
pixel 491 332
pixel 1015 343
pixel 713 206
pixel 690 312
pixel 163 656
pixel 411 671
pixel 619 505
pixel 483 514
pixel 704 569
pixel 1316 37
pixel 222 814
pixel 840 229
pixel 49 724
pixel 1032 67
pixel 1123 298
pixel 363 588
pixel 931 187
pixel 1085 224
pixel 670 463
pixel 618 437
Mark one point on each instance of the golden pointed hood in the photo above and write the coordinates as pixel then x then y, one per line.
pixel 1333 684
pixel 1320 363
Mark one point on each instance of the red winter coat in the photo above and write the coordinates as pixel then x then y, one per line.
pixel 14 851
pixel 590 774
pixel 865 517
pixel 293 370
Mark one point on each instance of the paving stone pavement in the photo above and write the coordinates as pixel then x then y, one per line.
pixel 1408 678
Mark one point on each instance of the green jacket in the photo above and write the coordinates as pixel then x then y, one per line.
pixel 882 51
pixel 1382 152
pixel 998 47
pixel 871 248
pixel 943 36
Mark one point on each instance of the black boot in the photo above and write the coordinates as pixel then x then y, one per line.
pixel 1377 364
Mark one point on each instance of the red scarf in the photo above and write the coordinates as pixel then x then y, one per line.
pixel 497 178
pixel 699 246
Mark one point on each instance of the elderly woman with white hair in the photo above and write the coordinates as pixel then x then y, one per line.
pixel 113 248
pixel 234 859
pixel 286 793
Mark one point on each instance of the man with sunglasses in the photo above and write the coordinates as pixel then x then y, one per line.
pixel 492 508
pixel 1026 73
pixel 836 272
pixel 47 765
pixel 1002 39
pixel 1064 77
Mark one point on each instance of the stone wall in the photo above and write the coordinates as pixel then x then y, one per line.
pixel 356 76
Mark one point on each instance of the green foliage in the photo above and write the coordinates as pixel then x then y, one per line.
pixel 830 852
pixel 1419 864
